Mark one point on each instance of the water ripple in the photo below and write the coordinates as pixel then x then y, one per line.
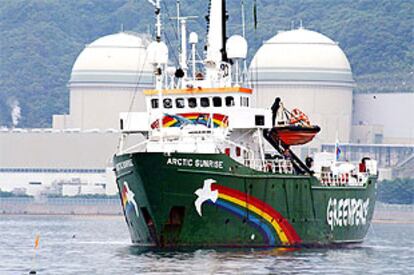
pixel 95 245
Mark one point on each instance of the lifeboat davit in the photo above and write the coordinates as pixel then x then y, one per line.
pixel 297 130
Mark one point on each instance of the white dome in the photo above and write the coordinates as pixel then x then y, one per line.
pixel 301 55
pixel 117 59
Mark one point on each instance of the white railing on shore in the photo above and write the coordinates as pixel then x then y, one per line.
pixel 276 166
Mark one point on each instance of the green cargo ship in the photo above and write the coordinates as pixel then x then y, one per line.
pixel 203 168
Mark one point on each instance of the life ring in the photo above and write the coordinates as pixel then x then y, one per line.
pixel 298 116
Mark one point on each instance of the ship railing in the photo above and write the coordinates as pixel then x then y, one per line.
pixel 328 178
pixel 274 166
pixel 134 148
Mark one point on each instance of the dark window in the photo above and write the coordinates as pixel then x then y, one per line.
pixel 154 103
pixel 179 102
pixel 247 101
pixel 204 102
pixel 217 101
pixel 167 103
pixel 259 120
pixel 229 101
pixel 238 151
pixel 192 102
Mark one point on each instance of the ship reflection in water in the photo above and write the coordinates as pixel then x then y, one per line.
pixel 102 246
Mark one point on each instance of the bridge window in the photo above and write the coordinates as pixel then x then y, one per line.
pixel 244 101
pixel 229 101
pixel 217 101
pixel 179 102
pixel 154 103
pixel 205 102
pixel 167 103
pixel 192 102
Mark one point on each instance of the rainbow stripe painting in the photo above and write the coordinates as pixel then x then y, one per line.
pixel 178 120
pixel 272 225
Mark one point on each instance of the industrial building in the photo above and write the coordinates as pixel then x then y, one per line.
pixel 107 78
pixel 306 69
pixel 37 162
pixel 383 118
pixel 309 71
pixel 74 157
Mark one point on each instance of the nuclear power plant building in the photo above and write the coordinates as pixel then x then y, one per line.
pixel 304 68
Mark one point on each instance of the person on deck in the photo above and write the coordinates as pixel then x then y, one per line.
pixel 275 107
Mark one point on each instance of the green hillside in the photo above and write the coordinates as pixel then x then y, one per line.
pixel 40 40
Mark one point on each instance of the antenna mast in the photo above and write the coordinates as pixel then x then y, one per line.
pixel 182 31
pixel 244 73
pixel 158 23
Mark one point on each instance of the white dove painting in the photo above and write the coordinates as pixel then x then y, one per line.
pixel 204 194
pixel 128 200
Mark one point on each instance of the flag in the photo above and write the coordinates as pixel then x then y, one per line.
pixel 37 241
pixel 255 14
pixel 337 150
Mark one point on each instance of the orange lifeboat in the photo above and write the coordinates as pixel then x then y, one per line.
pixel 296 130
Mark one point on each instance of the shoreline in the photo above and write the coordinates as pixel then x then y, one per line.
pixel 397 221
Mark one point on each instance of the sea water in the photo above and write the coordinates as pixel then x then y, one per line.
pixel 101 245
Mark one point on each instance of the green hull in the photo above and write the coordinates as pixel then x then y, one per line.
pixel 210 200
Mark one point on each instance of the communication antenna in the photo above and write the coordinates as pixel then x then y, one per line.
pixel 244 72
pixel 157 5
pixel 243 19
pixel 182 31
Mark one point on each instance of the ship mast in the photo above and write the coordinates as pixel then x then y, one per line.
pixel 158 22
pixel 157 55
pixel 182 31
pixel 216 39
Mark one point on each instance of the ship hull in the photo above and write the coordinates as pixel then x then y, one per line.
pixel 208 200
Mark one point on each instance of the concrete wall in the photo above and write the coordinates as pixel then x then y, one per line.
pixel 367 134
pixel 34 161
pixel 57 150
pixel 99 107
pixel 394 111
